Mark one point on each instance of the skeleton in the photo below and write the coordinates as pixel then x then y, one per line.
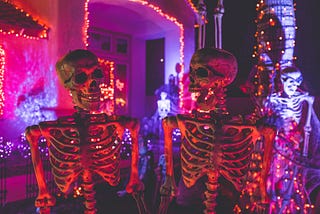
pixel 85 143
pixel 213 144
pixel 286 164
pixel 164 105
pixel 289 102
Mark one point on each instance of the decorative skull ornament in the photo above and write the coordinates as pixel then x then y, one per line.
pixel 213 144
pixel 210 69
pixel 291 79
pixel 86 143
pixel 81 74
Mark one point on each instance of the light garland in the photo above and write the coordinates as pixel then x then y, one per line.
pixel 18 34
pixel 2 70
pixel 86 24
pixel 192 6
pixel 6 148
pixel 20 31
pixel 107 90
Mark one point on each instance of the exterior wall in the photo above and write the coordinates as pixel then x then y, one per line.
pixel 137 96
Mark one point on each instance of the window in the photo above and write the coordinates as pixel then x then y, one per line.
pixel 122 46
pixel 99 41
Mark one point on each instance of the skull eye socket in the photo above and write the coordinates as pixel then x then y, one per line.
pixel 299 80
pixel 97 73
pixel 201 72
pixel 81 78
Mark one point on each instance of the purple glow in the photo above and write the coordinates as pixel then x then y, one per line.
pixel 5 148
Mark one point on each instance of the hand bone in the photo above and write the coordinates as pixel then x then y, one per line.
pixel 45 200
pixel 169 187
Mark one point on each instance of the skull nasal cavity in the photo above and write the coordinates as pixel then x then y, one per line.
pixel 191 79
pixel 93 84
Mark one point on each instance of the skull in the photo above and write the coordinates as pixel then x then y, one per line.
pixel 80 73
pixel 291 79
pixel 210 69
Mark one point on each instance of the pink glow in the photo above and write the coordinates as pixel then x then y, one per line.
pixel 29 75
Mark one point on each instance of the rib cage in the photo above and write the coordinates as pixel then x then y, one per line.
pixel 98 151
pixel 236 150
pixel 208 147
pixel 294 105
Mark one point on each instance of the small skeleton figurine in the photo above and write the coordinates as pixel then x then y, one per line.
pixel 85 143
pixel 164 105
pixel 213 144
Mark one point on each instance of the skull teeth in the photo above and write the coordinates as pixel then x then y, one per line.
pixel 91 97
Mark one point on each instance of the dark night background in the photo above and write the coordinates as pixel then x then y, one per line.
pixel 238 38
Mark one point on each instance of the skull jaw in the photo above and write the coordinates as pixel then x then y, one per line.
pixel 206 100
pixel 206 103
pixel 83 101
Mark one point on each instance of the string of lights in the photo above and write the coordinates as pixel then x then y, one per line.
pixel 2 73
pixel 17 22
